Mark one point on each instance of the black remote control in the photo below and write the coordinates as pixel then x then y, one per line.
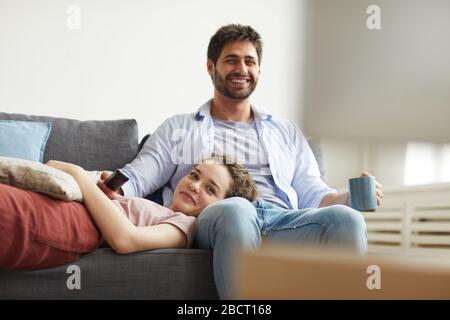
pixel 116 180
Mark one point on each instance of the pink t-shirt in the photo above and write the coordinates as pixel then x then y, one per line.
pixel 142 212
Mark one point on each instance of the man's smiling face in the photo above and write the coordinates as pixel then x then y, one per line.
pixel 235 74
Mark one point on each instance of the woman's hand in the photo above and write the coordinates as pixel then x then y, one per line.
pixel 69 168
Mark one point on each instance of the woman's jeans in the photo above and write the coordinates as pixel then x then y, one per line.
pixel 236 223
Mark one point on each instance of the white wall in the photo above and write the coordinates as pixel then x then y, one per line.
pixel 391 83
pixel 347 158
pixel 146 59
pixel 368 93
pixel 142 59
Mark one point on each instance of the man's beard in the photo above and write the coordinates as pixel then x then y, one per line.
pixel 220 83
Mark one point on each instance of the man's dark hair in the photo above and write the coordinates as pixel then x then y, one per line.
pixel 231 33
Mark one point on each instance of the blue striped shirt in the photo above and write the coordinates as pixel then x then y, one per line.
pixel 184 140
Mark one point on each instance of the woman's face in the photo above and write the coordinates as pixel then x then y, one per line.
pixel 205 184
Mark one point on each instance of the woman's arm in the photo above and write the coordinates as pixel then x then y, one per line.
pixel 118 231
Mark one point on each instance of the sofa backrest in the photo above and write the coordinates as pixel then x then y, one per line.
pixel 103 145
pixel 94 145
pixel 316 148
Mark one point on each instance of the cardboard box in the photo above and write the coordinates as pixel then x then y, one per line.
pixel 278 272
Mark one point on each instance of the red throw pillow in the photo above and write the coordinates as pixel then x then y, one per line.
pixel 37 231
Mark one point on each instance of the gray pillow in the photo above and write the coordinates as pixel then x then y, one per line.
pixel 93 145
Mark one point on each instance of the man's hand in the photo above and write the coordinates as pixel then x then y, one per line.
pixel 343 198
pixel 378 187
pixel 107 191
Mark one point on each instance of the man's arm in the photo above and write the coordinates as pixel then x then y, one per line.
pixel 308 184
pixel 343 198
pixel 310 188
pixel 153 166
pixel 334 198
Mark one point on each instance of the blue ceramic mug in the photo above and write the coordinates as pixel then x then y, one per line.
pixel 362 194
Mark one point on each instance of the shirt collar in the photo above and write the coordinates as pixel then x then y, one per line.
pixel 205 111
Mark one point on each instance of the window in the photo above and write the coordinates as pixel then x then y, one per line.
pixel 427 163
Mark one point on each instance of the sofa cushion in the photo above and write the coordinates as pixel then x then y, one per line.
pixel 94 145
pixel 41 232
pixel 37 177
pixel 185 274
pixel 24 139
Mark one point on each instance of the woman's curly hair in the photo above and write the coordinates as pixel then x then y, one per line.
pixel 242 184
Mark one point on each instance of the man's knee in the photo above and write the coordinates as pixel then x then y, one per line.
pixel 344 217
pixel 230 220
pixel 233 211
pixel 346 227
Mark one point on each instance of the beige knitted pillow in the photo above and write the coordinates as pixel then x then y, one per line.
pixel 38 177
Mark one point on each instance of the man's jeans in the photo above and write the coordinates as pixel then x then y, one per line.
pixel 235 222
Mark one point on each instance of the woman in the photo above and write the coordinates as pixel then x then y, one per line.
pixel 135 224
pixel 37 231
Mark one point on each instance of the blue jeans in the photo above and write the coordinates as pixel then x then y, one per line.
pixel 235 222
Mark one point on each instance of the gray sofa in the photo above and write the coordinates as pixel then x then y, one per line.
pixel 155 274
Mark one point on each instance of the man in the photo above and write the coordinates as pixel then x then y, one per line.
pixel 293 204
